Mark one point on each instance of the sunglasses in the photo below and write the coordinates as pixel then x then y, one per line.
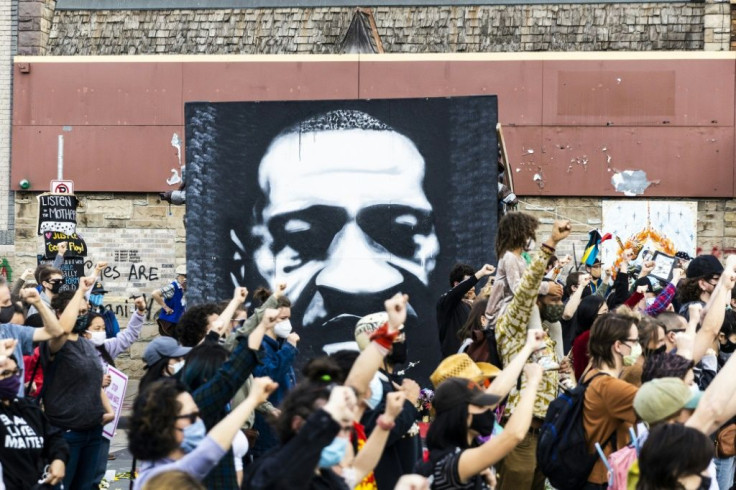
pixel 191 416
pixel 55 281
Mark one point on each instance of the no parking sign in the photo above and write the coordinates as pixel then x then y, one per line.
pixel 62 186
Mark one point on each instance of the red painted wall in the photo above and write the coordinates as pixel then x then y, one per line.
pixel 574 122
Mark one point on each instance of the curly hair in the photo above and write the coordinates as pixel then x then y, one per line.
pixel 514 230
pixel 151 434
pixel 689 290
pixel 192 326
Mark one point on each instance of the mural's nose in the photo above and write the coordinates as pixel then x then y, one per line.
pixel 357 265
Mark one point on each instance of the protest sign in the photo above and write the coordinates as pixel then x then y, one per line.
pixel 57 212
pixel 116 394
pixel 72 269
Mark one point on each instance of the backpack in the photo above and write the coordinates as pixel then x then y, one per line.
pixel 562 448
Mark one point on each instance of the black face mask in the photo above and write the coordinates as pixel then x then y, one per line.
pixel 398 354
pixel 6 314
pixel 653 352
pixel 81 324
pixel 482 423
pixel 728 347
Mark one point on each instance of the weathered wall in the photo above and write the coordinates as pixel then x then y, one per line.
pixel 599 27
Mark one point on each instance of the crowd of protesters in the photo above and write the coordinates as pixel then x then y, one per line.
pixel 555 374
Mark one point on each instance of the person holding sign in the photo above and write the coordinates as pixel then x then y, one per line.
pixel 107 351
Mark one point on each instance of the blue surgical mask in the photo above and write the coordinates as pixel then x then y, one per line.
pixel 193 435
pixel 334 453
pixel 376 392
pixel 95 299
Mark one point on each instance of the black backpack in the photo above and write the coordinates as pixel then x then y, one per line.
pixel 562 449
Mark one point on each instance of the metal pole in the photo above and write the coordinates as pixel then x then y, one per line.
pixel 60 159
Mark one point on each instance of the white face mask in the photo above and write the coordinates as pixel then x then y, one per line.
pixel 176 367
pixel 97 338
pixel 282 329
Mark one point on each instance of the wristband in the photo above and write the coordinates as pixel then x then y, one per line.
pixel 548 248
pixel 384 424
pixel 383 337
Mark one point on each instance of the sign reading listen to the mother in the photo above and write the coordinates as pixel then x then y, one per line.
pixel 57 212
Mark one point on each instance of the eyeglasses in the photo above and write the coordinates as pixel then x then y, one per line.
pixel 239 323
pixel 8 373
pixel 191 416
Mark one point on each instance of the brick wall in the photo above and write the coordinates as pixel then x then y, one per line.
pixel 141 238
pixel 600 27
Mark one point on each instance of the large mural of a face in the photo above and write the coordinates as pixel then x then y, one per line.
pixel 344 202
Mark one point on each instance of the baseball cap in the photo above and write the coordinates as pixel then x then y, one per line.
pixel 366 326
pixel 704 266
pixel 462 366
pixel 661 398
pixel 161 347
pixel 98 289
pixel 454 392
pixel 181 270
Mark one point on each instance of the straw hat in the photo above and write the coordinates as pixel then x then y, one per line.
pixel 462 366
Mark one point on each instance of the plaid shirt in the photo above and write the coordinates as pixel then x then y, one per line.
pixel 511 334
pixel 213 400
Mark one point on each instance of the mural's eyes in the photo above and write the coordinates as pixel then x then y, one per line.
pixel 395 226
pixel 309 232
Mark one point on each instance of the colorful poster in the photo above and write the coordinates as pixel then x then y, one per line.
pixel 649 226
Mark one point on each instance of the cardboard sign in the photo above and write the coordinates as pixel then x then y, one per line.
pixel 76 247
pixel 57 212
pixel 72 269
pixel 116 394
pixel 663 265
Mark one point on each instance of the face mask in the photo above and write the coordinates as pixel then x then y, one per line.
pixel 635 354
pixel 176 367
pixel 95 299
pixel 193 435
pixel 9 387
pixel 97 338
pixel 659 350
pixel 282 329
pixel 530 244
pixel 56 287
pixel 81 323
pixel 705 482
pixel 376 392
pixel 334 453
pixel 398 353
pixel 6 314
pixel 483 423
pixel 552 313
pixel 728 347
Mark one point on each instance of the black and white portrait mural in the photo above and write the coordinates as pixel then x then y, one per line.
pixel 348 202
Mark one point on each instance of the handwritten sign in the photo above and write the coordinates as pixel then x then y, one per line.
pixel 57 212
pixel 116 394
pixel 72 270
pixel 76 247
